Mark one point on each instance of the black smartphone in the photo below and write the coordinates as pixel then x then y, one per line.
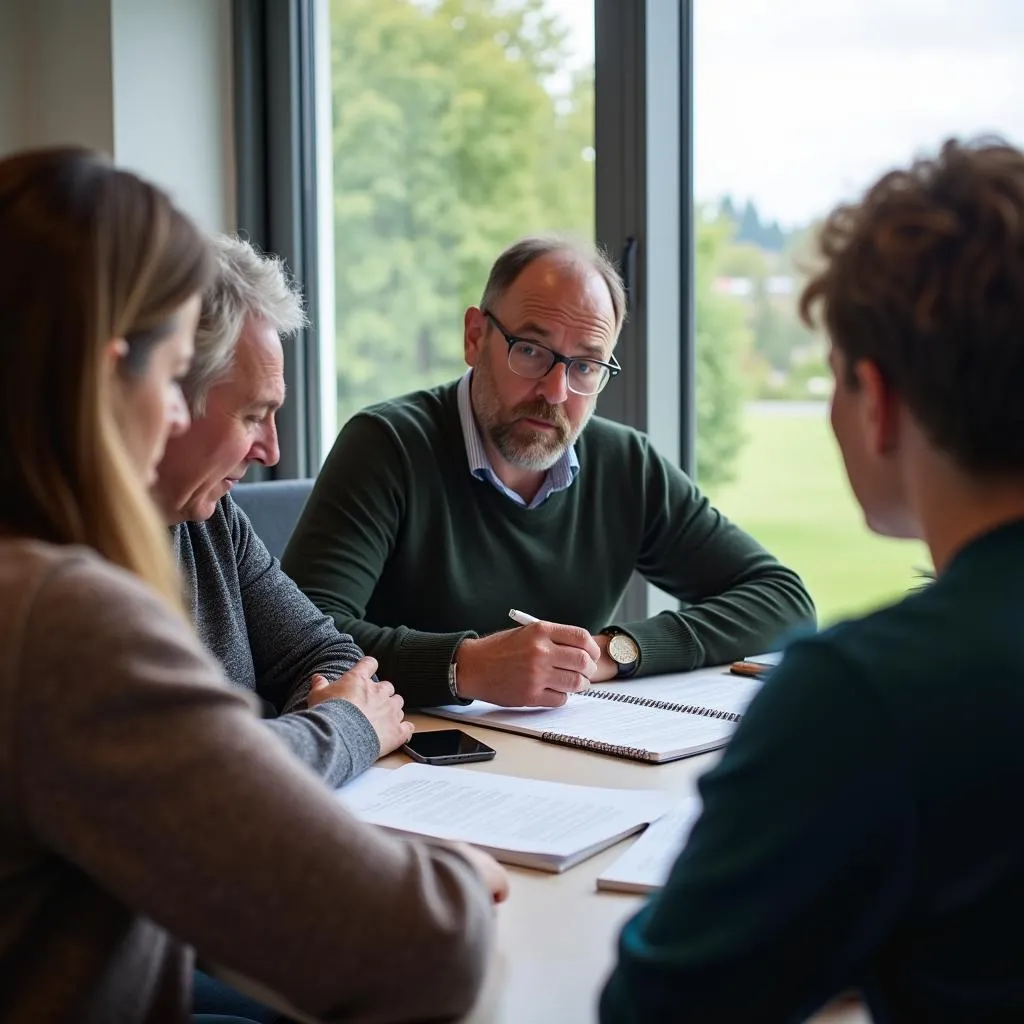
pixel 447 746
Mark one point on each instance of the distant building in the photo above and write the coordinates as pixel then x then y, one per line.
pixel 777 285
pixel 737 287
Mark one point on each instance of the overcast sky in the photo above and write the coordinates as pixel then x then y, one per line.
pixel 799 103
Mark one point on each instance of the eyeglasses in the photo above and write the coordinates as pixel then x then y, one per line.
pixel 532 360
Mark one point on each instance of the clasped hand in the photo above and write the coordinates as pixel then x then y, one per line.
pixel 378 702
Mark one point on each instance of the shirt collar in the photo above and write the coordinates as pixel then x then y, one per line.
pixel 558 478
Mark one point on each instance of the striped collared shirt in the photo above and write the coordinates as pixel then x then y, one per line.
pixel 558 478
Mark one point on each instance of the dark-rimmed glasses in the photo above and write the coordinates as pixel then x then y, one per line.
pixel 532 360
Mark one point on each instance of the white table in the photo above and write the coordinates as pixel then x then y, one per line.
pixel 557 933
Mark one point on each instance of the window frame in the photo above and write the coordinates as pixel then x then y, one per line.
pixel 643 208
pixel 644 171
pixel 279 192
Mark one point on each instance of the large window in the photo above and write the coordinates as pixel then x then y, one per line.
pixel 458 126
pixel 798 105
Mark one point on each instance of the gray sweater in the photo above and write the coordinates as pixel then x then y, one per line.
pixel 271 640
pixel 145 810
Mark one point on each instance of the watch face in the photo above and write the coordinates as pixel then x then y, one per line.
pixel 623 649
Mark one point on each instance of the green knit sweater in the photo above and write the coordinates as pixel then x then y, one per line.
pixel 410 553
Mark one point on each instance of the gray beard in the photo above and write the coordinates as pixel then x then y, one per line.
pixel 531 456
pixel 535 456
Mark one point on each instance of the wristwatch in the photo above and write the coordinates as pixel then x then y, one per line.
pixel 623 650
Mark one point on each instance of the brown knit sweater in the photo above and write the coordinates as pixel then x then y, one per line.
pixel 145 810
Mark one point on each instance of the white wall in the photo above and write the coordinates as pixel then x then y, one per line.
pixel 172 101
pixel 148 81
pixel 12 90
pixel 55 56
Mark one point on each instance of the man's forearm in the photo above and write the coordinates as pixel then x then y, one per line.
pixel 289 653
pixel 335 739
pixel 749 618
pixel 415 662
pixel 290 639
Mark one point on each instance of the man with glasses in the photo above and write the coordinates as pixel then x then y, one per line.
pixel 437 512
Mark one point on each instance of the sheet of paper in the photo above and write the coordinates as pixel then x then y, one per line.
pixel 606 721
pixel 502 812
pixel 647 863
pixel 361 786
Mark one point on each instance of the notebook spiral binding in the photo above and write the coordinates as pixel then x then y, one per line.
pixel 665 705
pixel 636 753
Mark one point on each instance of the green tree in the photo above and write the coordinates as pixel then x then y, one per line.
pixel 448 145
pixel 778 332
pixel 723 338
pixel 741 259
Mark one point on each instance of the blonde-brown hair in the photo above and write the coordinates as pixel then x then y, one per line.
pixel 924 277
pixel 89 253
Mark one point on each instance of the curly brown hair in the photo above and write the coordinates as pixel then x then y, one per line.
pixel 924 277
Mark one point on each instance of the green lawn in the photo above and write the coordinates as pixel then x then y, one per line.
pixel 791 493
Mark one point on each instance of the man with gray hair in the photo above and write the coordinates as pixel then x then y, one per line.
pixel 437 512
pixel 270 639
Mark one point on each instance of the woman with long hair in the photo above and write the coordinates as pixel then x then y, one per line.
pixel 144 812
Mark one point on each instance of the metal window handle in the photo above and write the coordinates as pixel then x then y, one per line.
pixel 629 271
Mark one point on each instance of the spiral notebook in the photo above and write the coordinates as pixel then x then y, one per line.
pixel 659 719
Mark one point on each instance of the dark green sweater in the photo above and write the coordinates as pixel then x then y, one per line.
pixel 410 553
pixel 863 829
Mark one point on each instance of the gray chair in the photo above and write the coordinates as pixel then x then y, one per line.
pixel 274 507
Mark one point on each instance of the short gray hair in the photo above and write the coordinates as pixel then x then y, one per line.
pixel 517 257
pixel 249 284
